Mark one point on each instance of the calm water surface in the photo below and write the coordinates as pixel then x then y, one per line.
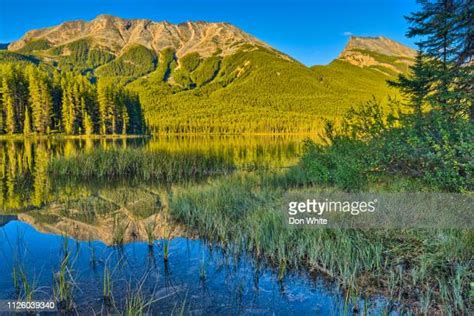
pixel 198 278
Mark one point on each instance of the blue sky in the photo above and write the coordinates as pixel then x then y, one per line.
pixel 312 31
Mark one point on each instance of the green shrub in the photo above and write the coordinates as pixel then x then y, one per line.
pixel 371 144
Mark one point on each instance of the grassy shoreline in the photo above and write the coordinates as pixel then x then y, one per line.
pixel 66 137
pixel 426 271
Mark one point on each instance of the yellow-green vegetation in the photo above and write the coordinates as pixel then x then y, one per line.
pixel 255 90
pixel 237 93
pixel 139 165
pixel 243 213
pixel 35 100
pixel 7 56
pixel 81 56
pixel 35 45
pixel 134 62
pixel 25 181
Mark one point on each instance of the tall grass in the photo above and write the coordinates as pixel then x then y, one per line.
pixel 150 231
pixel 244 211
pixel 24 288
pixel 64 284
pixel 138 164
pixel 119 231
pixel 107 287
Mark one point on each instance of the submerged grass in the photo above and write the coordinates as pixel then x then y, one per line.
pixel 24 289
pixel 243 213
pixel 138 164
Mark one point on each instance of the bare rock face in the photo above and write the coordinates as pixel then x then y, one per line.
pixel 116 34
pixel 377 51
pixel 381 45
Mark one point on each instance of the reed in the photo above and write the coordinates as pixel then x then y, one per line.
pixel 119 231
pixel 24 289
pixel 137 303
pixel 64 286
pixel 150 231
pixel 166 249
pixel 165 243
pixel 107 287
pixel 138 164
pixel 202 270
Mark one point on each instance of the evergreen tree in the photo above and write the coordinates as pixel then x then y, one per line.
pixel 27 123
pixel 464 53
pixel 33 100
pixel 2 128
pixel 444 26
pixel 67 111
pixel 47 105
pixel 102 99
pixel 88 125
pixel 416 86
pixel 8 103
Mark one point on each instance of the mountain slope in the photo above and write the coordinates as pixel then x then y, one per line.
pixel 379 53
pixel 213 77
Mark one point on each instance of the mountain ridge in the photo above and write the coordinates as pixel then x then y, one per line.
pixel 116 34
pixel 213 77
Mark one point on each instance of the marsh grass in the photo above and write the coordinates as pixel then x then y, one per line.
pixel 137 302
pixel 166 248
pixel 202 270
pixel 150 231
pixel 107 288
pixel 119 231
pixel 24 288
pixel 138 164
pixel 64 285
pixel 243 212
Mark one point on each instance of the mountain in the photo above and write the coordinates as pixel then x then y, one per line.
pixel 378 53
pixel 115 35
pixel 213 77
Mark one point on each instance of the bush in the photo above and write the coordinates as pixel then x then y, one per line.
pixel 371 144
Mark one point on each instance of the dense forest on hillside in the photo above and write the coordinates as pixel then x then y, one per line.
pixel 37 99
pixel 254 90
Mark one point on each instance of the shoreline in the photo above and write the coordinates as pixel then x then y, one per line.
pixel 152 135
pixel 66 137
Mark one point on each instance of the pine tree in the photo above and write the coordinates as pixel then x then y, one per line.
pixel 47 106
pixel 8 103
pixel 67 111
pixel 27 123
pixel 417 85
pixel 464 53
pixel 35 100
pixel 2 120
pixel 102 99
pixel 88 125
pixel 443 27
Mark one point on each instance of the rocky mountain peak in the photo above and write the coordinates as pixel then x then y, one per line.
pixel 115 34
pixel 366 51
pixel 381 45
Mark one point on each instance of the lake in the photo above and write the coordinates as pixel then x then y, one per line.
pixel 109 246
